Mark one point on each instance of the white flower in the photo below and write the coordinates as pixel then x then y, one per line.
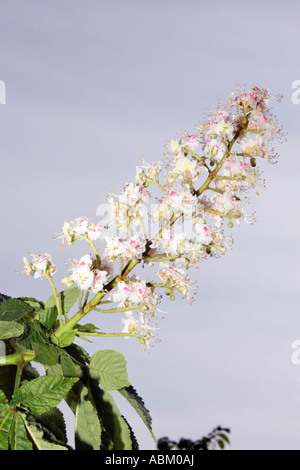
pixel 178 245
pixel 85 276
pixel 255 145
pixel 80 227
pixel 175 204
pixel 257 98
pixel 129 248
pixel 135 293
pixel 100 279
pixel 126 205
pixel 147 172
pixel 175 147
pixel 246 175
pixel 94 231
pixel 80 272
pixel 40 265
pixel 184 169
pixel 214 148
pixel 204 234
pixel 138 326
pixel 133 195
pixel 222 128
pixel 176 277
pixel 230 207
pixel 190 142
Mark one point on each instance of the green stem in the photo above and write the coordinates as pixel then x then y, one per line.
pixel 186 149
pixel 229 146
pixel 93 248
pixel 110 335
pixel 235 178
pixel 122 309
pixel 56 296
pixel 18 376
pixel 80 300
pixel 152 284
pixel 121 266
pixel 220 191
pixel 245 155
pixel 86 298
pixel 16 359
pixel 69 325
pixel 221 214
pixel 161 258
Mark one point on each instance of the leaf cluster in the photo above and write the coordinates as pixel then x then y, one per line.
pixel 29 415
pixel 218 438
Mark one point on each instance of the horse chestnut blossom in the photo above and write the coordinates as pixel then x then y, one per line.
pixel 81 227
pixel 170 217
pixel 139 326
pixel 136 293
pixel 127 248
pixel 85 275
pixel 41 265
pixel 175 278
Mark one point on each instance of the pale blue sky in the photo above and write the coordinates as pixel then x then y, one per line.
pixel 94 86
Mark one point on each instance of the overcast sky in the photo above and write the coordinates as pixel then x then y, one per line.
pixel 91 87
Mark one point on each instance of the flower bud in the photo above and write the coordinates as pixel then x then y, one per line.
pixel 132 328
pixel 67 282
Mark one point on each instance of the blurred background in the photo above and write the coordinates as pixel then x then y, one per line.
pixel 92 87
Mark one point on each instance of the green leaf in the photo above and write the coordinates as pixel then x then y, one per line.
pixel 13 435
pixel 114 423
pixel 53 421
pixel 88 327
pixel 67 299
pixel 221 444
pixel 18 437
pixel 137 403
pixel 33 333
pixel 13 309
pixel 69 367
pixel 46 354
pixel 37 436
pixel 6 419
pixel 65 339
pixel 34 303
pixel 10 329
pixel 109 368
pixel 36 306
pixel 3 398
pixel 48 317
pixel 43 393
pixel 224 437
pixel 87 424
